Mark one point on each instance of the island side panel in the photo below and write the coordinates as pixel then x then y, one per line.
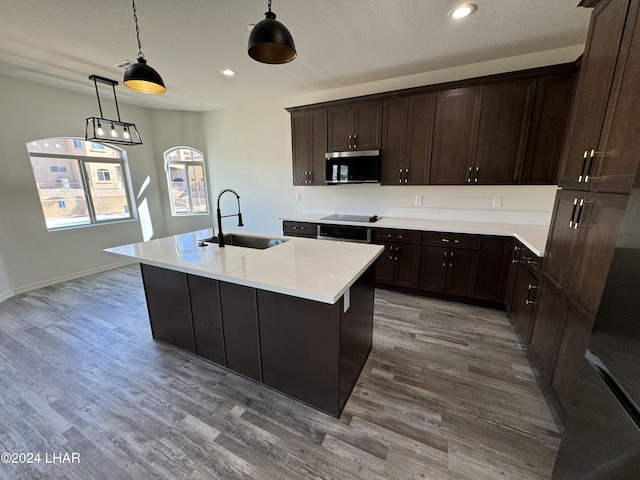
pixel 300 352
pixel 356 333
pixel 207 318
pixel 167 293
pixel 240 324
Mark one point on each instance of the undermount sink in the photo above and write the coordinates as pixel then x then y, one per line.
pixel 247 241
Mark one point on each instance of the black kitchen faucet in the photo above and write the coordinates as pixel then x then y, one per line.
pixel 220 217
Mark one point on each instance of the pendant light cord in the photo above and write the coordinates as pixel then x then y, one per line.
pixel 269 4
pixel 135 20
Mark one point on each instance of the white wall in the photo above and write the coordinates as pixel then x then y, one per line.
pixel 30 256
pixel 249 149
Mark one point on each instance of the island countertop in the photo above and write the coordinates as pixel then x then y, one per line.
pixel 319 270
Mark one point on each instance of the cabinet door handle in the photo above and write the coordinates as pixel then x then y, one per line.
pixel 451 260
pixel 528 301
pixel 515 251
pixel 350 141
pixel 591 159
pixel 584 164
pixel 469 174
pixel 446 240
pixel 355 141
pixel 310 177
pixel 573 211
pixel 406 174
pixel 444 263
pixel 400 181
pixel 579 215
pixel 475 180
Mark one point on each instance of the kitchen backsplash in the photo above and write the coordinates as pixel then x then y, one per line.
pixel 523 205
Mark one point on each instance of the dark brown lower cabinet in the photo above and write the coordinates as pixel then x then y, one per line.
pixel 309 350
pixel 524 297
pixel 207 318
pixel 493 268
pixel 572 344
pixel 544 332
pixel 167 293
pixel 306 347
pixel 398 265
pixel 448 270
pixel 240 323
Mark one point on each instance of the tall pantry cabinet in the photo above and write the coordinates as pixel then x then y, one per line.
pixel 600 160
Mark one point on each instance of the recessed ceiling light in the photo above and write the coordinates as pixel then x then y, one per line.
pixel 227 72
pixel 462 11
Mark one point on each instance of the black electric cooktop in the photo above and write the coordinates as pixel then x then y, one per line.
pixel 352 218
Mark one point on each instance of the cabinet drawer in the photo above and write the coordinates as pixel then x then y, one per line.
pixel 457 240
pixel 396 236
pixel 299 229
pixel 531 261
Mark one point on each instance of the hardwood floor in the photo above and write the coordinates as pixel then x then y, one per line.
pixel 447 394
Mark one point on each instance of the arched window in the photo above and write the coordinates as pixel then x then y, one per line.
pixel 80 183
pixel 187 181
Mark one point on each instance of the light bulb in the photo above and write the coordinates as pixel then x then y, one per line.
pixel 100 130
pixel 126 133
pixel 113 132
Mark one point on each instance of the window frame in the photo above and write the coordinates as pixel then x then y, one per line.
pixel 85 175
pixel 187 181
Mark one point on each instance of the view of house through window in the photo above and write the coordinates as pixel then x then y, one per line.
pixel 186 179
pixel 80 183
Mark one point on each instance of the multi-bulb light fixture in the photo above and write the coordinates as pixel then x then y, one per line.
pixel 104 130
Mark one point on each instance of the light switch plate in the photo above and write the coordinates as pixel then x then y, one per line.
pixel 497 202
pixel 418 200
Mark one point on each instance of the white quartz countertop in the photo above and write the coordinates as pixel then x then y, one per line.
pixel 319 270
pixel 533 237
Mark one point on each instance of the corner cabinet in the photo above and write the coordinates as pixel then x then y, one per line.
pixel 309 143
pixel 354 126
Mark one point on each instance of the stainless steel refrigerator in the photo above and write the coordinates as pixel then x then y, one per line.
pixel 601 439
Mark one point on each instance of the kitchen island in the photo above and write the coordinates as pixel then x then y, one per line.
pixel 296 317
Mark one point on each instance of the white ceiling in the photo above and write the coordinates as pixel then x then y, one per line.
pixel 339 43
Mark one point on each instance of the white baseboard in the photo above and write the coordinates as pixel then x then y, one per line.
pixel 64 278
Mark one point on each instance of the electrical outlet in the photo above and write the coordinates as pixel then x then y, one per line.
pixel 298 197
pixel 418 200
pixel 497 202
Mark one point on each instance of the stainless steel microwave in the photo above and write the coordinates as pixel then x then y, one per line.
pixel 354 166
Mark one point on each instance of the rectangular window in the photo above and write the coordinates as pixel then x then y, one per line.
pixel 92 191
pixel 78 144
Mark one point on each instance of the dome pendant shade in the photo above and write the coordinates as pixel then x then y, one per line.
pixel 144 79
pixel 270 41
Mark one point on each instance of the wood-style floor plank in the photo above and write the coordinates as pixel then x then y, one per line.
pixel 446 394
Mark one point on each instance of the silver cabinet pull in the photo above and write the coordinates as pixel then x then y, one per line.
pixel 406 174
pixel 573 211
pixel 588 172
pixel 469 174
pixel 528 301
pixel 444 263
pixel 475 180
pixel 451 260
pixel 444 240
pixel 584 164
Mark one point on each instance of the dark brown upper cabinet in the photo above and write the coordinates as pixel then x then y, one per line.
pixel 593 94
pixel 407 130
pixel 309 144
pixel 554 95
pixel 454 135
pixel 355 126
pixel 503 131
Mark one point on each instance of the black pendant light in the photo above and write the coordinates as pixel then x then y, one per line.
pixel 270 41
pixel 140 76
